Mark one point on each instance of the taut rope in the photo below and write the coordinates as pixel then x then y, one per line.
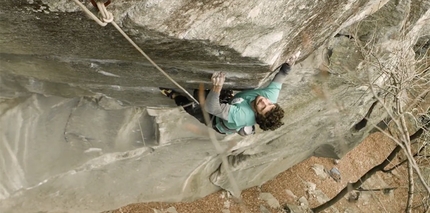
pixel 108 18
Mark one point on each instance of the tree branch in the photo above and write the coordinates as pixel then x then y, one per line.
pixel 413 137
pixel 375 190
pixel 411 188
pixel 360 181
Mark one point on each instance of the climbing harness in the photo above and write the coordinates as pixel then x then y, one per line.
pixel 107 18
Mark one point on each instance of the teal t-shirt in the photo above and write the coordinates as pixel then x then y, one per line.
pixel 241 113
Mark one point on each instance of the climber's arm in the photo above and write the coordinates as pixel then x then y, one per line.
pixel 212 104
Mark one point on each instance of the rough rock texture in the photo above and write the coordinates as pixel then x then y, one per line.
pixel 85 128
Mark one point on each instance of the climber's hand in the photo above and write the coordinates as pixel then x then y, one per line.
pixel 218 79
pixel 285 68
pixel 292 59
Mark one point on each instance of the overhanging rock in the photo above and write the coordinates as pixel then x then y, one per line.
pixel 86 129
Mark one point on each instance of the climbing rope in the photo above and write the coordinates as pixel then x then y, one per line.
pixel 108 18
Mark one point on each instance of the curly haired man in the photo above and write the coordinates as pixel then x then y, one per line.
pixel 245 109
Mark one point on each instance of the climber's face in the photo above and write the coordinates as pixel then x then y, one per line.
pixel 262 105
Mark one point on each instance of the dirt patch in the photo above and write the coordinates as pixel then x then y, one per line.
pixel 307 182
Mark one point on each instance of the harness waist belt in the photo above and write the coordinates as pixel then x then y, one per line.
pixel 221 122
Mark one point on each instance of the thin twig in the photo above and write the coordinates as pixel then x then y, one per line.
pixel 411 188
pixel 375 190
pixel 413 137
pixel 359 182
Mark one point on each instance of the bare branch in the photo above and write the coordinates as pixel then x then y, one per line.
pixel 413 137
pixel 411 188
pixel 375 190
pixel 359 182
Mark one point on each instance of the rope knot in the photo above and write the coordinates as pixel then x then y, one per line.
pixel 107 16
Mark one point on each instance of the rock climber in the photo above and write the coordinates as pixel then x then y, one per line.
pixel 244 109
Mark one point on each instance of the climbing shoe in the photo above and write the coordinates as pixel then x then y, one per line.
pixel 167 92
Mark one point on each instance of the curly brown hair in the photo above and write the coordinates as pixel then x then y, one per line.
pixel 271 120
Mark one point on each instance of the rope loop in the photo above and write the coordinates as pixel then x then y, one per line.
pixel 106 15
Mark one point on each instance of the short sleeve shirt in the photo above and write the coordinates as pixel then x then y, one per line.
pixel 241 113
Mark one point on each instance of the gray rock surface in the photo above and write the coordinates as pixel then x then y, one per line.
pixel 84 128
pixel 270 200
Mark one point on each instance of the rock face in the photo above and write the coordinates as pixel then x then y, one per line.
pixel 84 128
